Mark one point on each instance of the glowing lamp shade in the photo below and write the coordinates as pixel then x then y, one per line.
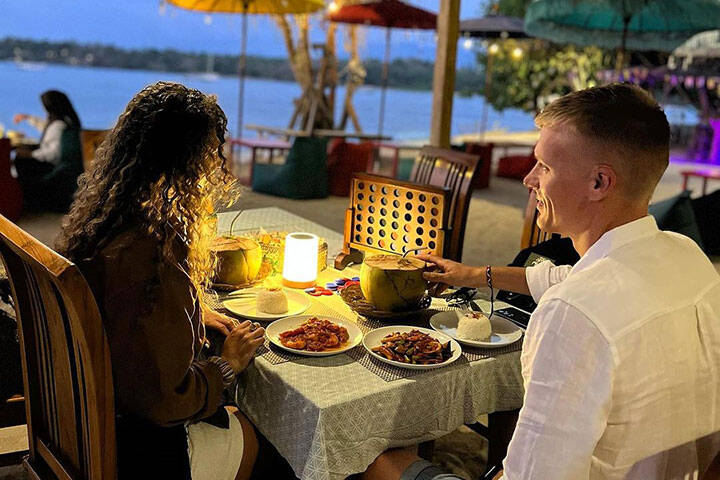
pixel 301 260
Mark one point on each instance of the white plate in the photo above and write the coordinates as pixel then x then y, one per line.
pixel 374 338
pixel 504 332
pixel 290 323
pixel 246 307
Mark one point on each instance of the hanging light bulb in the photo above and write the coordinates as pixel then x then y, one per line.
pixel 493 49
pixel 517 53
pixel 207 20
pixel 467 43
pixel 333 7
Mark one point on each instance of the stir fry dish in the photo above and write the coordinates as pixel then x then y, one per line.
pixel 413 347
pixel 315 335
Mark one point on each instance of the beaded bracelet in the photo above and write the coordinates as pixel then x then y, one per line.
pixel 488 278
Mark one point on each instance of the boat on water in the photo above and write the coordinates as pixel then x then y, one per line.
pixel 209 75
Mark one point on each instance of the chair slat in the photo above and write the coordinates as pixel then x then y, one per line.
pixel 454 171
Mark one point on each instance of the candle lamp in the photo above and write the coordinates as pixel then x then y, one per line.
pixel 300 262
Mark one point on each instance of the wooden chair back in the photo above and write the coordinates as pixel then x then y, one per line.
pixel 392 216
pixel 65 357
pixel 455 172
pixel 531 233
pixel 90 140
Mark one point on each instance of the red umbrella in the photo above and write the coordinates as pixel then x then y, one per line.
pixel 388 14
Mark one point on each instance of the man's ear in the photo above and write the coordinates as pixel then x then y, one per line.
pixel 604 180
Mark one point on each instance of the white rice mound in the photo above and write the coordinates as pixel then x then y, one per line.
pixel 272 300
pixel 474 326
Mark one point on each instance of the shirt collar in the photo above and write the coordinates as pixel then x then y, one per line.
pixel 616 238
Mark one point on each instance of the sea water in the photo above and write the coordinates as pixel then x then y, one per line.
pixel 100 95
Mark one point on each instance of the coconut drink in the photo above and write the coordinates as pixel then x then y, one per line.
pixel 392 283
pixel 239 260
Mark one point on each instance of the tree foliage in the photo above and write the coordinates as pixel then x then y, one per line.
pixel 528 73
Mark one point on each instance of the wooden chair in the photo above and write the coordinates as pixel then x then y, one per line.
pixel 90 140
pixel 391 216
pixel 454 171
pixel 65 360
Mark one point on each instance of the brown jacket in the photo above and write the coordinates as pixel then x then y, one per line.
pixel 153 321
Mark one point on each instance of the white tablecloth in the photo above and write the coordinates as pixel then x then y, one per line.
pixel 331 417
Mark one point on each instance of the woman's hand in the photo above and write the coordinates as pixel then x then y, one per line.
pixel 452 273
pixel 217 321
pixel 20 117
pixel 241 344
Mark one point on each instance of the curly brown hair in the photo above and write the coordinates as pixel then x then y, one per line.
pixel 160 168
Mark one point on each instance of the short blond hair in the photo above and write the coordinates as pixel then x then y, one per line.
pixel 624 118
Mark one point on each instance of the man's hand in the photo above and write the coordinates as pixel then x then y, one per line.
pixel 453 273
pixel 217 321
pixel 19 117
pixel 241 344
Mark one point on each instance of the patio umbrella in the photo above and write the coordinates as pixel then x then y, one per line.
pixel 389 14
pixel 636 24
pixel 245 7
pixel 493 26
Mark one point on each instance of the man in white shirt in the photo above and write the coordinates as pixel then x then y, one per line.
pixel 621 358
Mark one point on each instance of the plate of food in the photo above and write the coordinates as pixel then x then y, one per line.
pixel 314 335
pixel 412 347
pixel 266 304
pixel 475 329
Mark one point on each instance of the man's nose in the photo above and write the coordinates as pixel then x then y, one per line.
pixel 531 179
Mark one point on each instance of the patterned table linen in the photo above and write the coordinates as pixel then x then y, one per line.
pixel 331 417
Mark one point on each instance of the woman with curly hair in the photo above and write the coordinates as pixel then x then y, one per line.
pixel 138 230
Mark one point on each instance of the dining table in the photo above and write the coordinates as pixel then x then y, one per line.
pixel 330 417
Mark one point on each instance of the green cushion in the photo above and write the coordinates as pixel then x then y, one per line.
pixel 677 215
pixel 405 166
pixel 304 174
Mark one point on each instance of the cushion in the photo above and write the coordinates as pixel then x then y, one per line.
pixel 677 215
pixel 344 159
pixel 303 175
pixel 515 166
pixel 707 214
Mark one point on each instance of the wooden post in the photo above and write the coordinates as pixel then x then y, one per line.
pixel 448 24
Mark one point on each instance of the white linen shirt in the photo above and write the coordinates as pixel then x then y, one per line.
pixel 621 363
pixel 50 148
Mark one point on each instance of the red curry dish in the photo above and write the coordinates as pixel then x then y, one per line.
pixel 315 335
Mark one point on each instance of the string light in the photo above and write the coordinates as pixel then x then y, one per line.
pixel 493 49
pixel 467 44
pixel 333 7
pixel 517 53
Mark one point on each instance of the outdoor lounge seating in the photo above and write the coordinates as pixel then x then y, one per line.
pixel 303 175
pixel 485 151
pixel 516 167
pixel 344 159
pixel 10 193
pixel 66 362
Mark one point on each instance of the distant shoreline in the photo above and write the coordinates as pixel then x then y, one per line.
pixel 406 74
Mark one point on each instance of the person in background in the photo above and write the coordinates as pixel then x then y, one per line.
pixel 139 232
pixel 48 174
pixel 621 358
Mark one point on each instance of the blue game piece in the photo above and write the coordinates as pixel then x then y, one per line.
pixel 356 279
pixel 330 285
pixel 340 281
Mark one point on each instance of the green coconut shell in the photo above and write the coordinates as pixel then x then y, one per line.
pixel 239 260
pixel 392 283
